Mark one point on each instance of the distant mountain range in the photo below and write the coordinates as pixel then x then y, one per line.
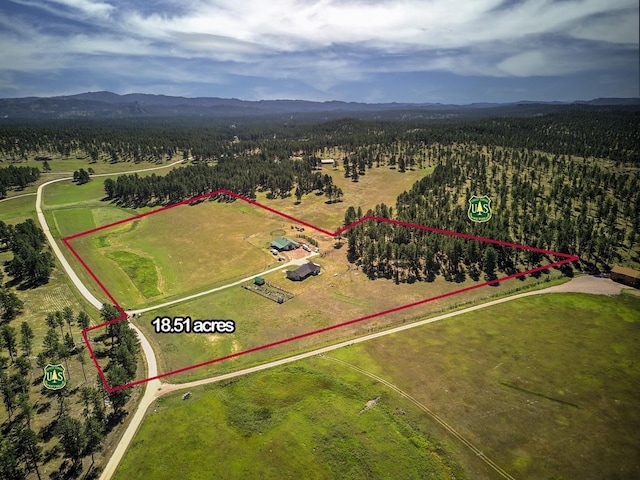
pixel 112 105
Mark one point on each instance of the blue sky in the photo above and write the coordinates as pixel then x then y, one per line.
pixel 450 51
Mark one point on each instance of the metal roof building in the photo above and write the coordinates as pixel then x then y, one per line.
pixel 284 244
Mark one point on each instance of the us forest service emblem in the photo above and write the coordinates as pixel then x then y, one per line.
pixel 479 209
pixel 54 377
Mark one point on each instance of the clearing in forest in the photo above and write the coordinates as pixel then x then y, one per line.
pixel 340 300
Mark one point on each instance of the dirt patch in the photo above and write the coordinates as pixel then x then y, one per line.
pixel 369 404
pixel 589 284
pixel 296 254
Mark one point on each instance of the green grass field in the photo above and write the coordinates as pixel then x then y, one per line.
pixel 191 248
pixel 141 270
pixel 263 426
pixel 16 210
pixel 545 386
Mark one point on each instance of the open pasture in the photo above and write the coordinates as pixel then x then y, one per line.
pixel 340 293
pixel 293 422
pixel 191 249
pixel 545 386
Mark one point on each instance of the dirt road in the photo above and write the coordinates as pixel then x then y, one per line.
pixel 587 284
pixel 152 369
pixel 298 261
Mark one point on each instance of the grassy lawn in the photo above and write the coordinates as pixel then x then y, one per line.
pixel 546 386
pixel 291 422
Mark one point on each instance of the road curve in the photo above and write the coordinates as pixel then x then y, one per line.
pixel 84 291
pixel 147 399
pixel 152 368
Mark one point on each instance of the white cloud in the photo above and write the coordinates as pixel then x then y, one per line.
pixel 320 43
pixel 88 7
pixel 393 26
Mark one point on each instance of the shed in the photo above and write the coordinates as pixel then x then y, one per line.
pixel 327 161
pixel 303 271
pixel 625 275
pixel 284 244
pixel 259 281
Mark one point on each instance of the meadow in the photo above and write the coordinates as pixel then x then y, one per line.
pixel 378 185
pixel 289 423
pixel 545 386
pixel 184 250
pixel 339 294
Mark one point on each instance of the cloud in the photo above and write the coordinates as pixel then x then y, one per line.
pixel 88 7
pixel 319 45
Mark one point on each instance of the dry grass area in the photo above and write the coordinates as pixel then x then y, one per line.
pixel 378 185
pixel 339 294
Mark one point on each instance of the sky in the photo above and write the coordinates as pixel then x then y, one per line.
pixel 418 51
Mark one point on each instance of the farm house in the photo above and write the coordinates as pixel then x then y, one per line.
pixel 284 244
pixel 303 271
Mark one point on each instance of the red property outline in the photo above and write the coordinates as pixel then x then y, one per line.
pixel 567 259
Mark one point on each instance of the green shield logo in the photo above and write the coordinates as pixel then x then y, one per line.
pixel 54 377
pixel 479 208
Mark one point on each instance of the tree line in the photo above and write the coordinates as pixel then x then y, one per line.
pixel 78 434
pixel 31 264
pixel 244 175
pixel 601 132
pixel 18 177
pixel 551 202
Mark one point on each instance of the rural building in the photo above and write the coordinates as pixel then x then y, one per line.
pixel 625 275
pixel 303 271
pixel 259 281
pixel 284 244
pixel 327 161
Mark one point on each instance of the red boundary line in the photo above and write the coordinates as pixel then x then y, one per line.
pixel 567 259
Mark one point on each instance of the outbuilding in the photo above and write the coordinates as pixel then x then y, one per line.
pixel 327 161
pixel 284 244
pixel 303 271
pixel 625 275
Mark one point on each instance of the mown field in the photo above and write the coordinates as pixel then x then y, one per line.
pixel 545 386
